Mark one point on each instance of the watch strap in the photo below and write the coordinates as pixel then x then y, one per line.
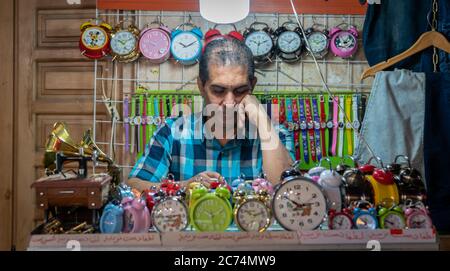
pixel 138 124
pixel 282 111
pixel 296 129
pixel 150 114
pixel 289 119
pixel 317 128
pixel 322 124
pixel 126 121
pixel 335 124
pixel 144 122
pixel 161 110
pixel 341 127
pixel 133 114
pixel 310 123
pixel 330 125
pixel 275 111
pixel 348 126
pixel 355 118
pixel 304 129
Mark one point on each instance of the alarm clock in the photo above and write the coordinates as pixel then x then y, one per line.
pixel 299 203
pixel 214 34
pixel 124 43
pixel 260 42
pixel 155 43
pixel 95 39
pixel 392 218
pixel 170 215
pixel 318 41
pixel 210 211
pixel 252 212
pixel 136 216
pixel 418 217
pixel 331 182
pixel 409 180
pixel 111 220
pixel 262 184
pixel 365 216
pixel 342 220
pixel 344 42
pixel 186 46
pixel 289 42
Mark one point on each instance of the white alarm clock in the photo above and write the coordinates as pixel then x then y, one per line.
pixel 186 46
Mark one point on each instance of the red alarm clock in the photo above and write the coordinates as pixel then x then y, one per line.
pixel 95 39
pixel 214 34
pixel 169 186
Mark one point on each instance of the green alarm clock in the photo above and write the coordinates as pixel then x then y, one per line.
pixel 210 211
pixel 392 218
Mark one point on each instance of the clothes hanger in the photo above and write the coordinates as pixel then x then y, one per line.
pixel 427 39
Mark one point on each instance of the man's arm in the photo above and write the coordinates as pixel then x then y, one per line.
pixel 276 157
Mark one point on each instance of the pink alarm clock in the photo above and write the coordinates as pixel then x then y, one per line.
pixel 136 217
pixel 344 43
pixel 262 184
pixel 417 217
pixel 154 44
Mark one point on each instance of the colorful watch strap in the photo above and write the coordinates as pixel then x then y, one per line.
pixel 157 117
pixel 310 123
pixel 317 128
pixel 138 123
pixel 341 127
pixel 348 125
pixel 161 109
pixel 144 123
pixel 335 124
pixel 275 111
pixel 126 121
pixel 323 124
pixel 289 115
pixel 296 129
pixel 133 114
pixel 282 111
pixel 355 118
pixel 304 129
pixel 330 126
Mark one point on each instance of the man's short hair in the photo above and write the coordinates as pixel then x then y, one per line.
pixel 225 52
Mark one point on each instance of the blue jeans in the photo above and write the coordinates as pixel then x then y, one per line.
pixel 393 26
pixel 437 147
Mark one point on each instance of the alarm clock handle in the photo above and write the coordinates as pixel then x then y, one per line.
pixel 404 157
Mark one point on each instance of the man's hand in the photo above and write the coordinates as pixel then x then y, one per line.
pixel 205 177
pixel 253 109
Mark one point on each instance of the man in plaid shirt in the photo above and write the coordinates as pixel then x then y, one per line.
pixel 215 142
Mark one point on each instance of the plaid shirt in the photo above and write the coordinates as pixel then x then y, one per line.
pixel 187 153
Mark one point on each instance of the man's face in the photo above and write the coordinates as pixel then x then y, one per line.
pixel 226 87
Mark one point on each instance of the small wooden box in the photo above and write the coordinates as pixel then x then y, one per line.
pixel 91 192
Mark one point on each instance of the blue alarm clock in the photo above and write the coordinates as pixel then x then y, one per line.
pixel 112 218
pixel 186 46
pixel 365 219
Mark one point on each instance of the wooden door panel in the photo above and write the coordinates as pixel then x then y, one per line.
pixel 53 83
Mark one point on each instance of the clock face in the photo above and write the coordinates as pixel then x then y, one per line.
pixel 394 221
pixel 299 204
pixel 123 42
pixel 94 38
pixel 155 44
pixel 318 42
pixel 211 214
pixel 253 216
pixel 419 221
pixel 289 42
pixel 341 222
pixel 260 43
pixel 186 46
pixel 170 215
pixel 366 222
pixel 345 41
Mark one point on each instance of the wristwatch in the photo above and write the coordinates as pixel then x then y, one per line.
pixel 323 124
pixel 289 124
pixel 126 122
pixel 310 123
pixel 295 120
pixel 132 116
pixel 330 126
pixel 304 129
pixel 317 129
pixel 335 124
pixel 356 123
pixel 341 127
pixel 348 125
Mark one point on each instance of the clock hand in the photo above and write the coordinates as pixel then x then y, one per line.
pixel 182 44
pixel 190 44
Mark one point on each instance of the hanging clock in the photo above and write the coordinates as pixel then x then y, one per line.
pixel 299 204
pixel 155 43
pixel 95 39
pixel 186 46
pixel 318 40
pixel 289 42
pixel 124 43
pixel 260 42
pixel 344 43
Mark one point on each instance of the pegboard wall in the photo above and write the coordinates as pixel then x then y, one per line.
pixel 115 80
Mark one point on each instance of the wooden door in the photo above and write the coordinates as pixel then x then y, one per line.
pixel 53 83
